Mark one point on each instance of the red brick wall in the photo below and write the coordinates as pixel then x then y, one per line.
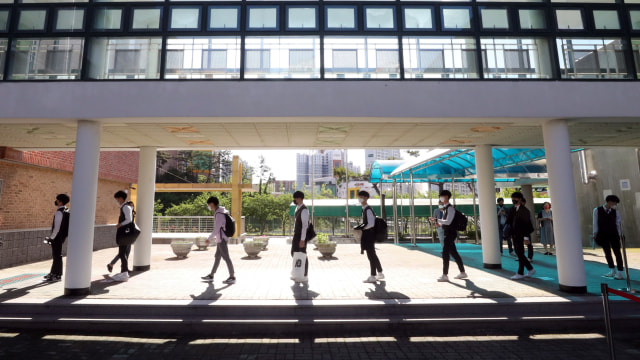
pixel 28 192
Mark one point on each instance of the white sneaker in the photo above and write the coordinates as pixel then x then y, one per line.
pixel 619 276
pixel 305 279
pixel 443 278
pixel 513 254
pixel 380 276
pixel 122 277
pixel 517 277
pixel 530 273
pixel 370 279
pixel 611 273
pixel 461 276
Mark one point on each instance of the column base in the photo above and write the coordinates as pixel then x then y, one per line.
pixel 492 266
pixel 77 292
pixel 141 267
pixel 573 289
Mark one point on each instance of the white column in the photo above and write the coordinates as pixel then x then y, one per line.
pixel 566 225
pixel 491 257
pixel 84 189
pixel 144 211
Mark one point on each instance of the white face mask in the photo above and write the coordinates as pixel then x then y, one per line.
pixel 117 202
pixel 361 200
pixel 441 206
pixel 209 206
pixel 442 198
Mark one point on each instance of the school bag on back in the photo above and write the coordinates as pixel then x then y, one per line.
pixel 460 221
pixel 380 229
pixel 229 226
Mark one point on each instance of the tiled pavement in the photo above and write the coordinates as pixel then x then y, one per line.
pixel 410 273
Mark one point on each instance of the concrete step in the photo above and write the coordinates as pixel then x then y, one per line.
pixel 291 318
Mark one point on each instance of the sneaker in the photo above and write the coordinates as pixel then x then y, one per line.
pixel 462 275
pixel 530 273
pixel 517 277
pixel 110 267
pixel 380 276
pixel 546 253
pixel 122 277
pixel 208 278
pixel 531 260
pixel 512 254
pixel 230 280
pixel 370 279
pixel 305 279
pixel 619 276
pixel 56 278
pixel 443 278
pixel 48 277
pixel 611 273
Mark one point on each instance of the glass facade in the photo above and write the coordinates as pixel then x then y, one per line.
pixel 331 39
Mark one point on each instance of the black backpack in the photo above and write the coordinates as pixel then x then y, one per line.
pixel 379 227
pixel 460 221
pixel 64 225
pixel 229 226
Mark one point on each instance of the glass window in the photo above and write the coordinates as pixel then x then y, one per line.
pixel 3 55
pixel 282 57
pixel 458 18
pixel 106 1
pixel 635 19
pixel 6 2
pixel 418 18
pixel 107 19
pixel 379 18
pixel 32 20
pixel 224 18
pixel 4 20
pixel 635 47
pixel 606 19
pixel 510 58
pixel 436 58
pixel 500 1
pixel 262 18
pixel 361 57
pixel 302 18
pixel 203 58
pixel 124 58
pixel 532 19
pixel 70 19
pixel 46 59
pixel 494 19
pixel 185 18
pixel 569 19
pixel 146 19
pixel 586 1
pixel 46 1
pixel 591 58
pixel 340 17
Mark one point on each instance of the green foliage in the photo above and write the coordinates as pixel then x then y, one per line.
pixel 198 205
pixel 157 208
pixel 322 239
pixel 262 208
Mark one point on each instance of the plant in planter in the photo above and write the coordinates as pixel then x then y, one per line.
pixel 326 247
pixel 252 247
pixel 181 247
pixel 201 243
pixel 263 239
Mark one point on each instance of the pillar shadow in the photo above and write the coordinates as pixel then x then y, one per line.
pixel 379 292
pixel 17 292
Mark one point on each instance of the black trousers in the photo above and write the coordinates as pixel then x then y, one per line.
pixel 450 249
pixel 501 234
pixel 124 258
pixel 518 244
pixel 612 243
pixel 295 247
pixel 369 245
pixel 530 250
pixel 56 252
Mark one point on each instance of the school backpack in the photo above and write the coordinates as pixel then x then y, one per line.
pixel 380 229
pixel 229 226
pixel 460 221
pixel 64 225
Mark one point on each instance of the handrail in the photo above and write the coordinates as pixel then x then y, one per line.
pixel 607 314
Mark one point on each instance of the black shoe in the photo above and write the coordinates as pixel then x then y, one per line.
pixel 546 253
pixel 110 267
pixel 208 278
pixel 230 280
pixel 48 277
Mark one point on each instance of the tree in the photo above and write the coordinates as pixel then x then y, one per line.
pixel 198 205
pixel 261 208
pixel 264 175
pixel 282 204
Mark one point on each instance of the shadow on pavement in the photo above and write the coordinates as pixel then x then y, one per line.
pixel 301 292
pixel 210 293
pixel 379 292
pixel 17 292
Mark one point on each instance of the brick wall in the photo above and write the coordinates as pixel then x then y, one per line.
pixel 26 246
pixel 28 193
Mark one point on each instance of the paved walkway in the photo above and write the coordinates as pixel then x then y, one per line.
pixel 410 272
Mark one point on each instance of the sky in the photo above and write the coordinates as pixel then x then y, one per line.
pixel 283 162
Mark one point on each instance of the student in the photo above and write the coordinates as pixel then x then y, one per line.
pixel 545 218
pixel 607 233
pixel 519 218
pixel 222 250
pixel 368 241
pixel 126 217
pixel 450 235
pixel 437 214
pixel 298 244
pixel 529 244
pixel 502 221
pixel 59 233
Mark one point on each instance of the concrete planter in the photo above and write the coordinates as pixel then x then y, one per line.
pixel 201 243
pixel 262 239
pixel 327 249
pixel 252 248
pixel 181 247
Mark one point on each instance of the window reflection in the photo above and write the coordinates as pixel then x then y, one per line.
pixel 591 59
pixel 445 57
pixel 361 57
pixel 124 58
pixel 510 58
pixel 282 57
pixel 46 59
pixel 203 58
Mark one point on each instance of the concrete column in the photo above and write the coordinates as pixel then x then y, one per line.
pixel 146 189
pixel 84 189
pixel 566 226
pixel 491 258
pixel 527 192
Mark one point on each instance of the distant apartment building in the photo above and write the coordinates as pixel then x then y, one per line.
pixel 319 164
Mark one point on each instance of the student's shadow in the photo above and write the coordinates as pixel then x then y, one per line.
pixel 379 292
pixel 7 294
pixel 210 293
pixel 301 292
pixel 478 292
pixel 101 286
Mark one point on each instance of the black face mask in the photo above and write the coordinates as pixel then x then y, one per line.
pixel 515 202
pixel 55 203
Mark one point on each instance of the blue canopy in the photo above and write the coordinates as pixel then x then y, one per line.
pixel 442 165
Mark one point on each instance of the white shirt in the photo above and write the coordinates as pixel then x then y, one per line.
pixel 595 220
pixel 451 213
pixel 128 214
pixel 304 217
pixel 57 221
pixel 371 218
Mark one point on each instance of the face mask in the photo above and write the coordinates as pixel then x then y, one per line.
pixel 361 200
pixel 515 202
pixel 117 202
pixel 442 199
pixel 55 203
pixel 209 206
pixel 614 206
pixel 441 206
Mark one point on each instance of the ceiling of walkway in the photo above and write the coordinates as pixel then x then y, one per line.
pixel 247 133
